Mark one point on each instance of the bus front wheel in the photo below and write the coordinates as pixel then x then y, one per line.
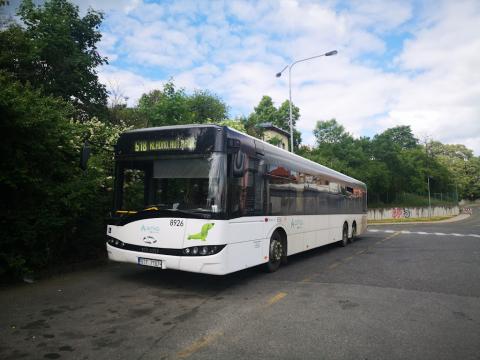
pixel 275 253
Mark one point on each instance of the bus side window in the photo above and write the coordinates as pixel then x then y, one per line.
pixel 279 189
pixel 309 194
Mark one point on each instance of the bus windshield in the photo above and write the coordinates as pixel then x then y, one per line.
pixel 188 183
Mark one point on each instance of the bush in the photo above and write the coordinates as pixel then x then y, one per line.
pixel 51 212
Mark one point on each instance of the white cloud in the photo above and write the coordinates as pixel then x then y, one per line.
pixel 442 100
pixel 234 48
pixel 379 14
pixel 128 83
pixel 107 5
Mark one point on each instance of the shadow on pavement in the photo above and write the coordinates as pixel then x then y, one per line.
pixel 207 285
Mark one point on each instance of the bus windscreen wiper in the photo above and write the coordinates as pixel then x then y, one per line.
pixel 202 213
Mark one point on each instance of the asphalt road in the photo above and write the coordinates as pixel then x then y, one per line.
pixel 400 292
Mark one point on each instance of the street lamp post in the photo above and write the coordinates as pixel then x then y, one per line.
pixel 330 53
pixel 429 200
pixel 456 193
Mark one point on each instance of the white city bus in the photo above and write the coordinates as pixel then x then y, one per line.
pixel 210 199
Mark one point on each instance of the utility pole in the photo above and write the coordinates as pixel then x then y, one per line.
pixel 429 199
pixel 428 179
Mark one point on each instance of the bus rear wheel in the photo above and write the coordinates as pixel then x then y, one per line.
pixel 354 232
pixel 344 240
pixel 275 253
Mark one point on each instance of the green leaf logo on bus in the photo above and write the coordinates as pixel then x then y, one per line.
pixel 202 235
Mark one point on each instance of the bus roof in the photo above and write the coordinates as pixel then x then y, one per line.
pixel 298 161
pixel 173 127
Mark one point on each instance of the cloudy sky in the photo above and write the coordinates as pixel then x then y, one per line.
pixel 399 62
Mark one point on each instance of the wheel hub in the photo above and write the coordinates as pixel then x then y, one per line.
pixel 276 250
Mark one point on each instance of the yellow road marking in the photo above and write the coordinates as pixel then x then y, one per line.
pixel 391 236
pixel 388 238
pixel 198 345
pixel 348 258
pixel 310 277
pixel 276 298
pixel 334 265
pixel 360 252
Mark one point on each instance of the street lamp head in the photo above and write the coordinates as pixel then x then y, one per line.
pixel 331 53
pixel 281 71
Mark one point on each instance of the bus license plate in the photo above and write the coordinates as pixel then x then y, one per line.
pixel 150 262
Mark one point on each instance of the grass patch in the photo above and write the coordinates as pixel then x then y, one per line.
pixel 408 220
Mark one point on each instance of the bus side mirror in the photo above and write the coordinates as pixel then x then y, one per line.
pixel 233 145
pixel 84 155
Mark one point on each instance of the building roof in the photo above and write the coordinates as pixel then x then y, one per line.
pixel 270 126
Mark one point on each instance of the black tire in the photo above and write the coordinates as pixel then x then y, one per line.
pixel 354 232
pixel 275 253
pixel 344 241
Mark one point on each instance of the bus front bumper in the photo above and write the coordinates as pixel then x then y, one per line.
pixel 210 264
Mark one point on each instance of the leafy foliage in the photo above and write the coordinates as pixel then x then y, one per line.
pixel 266 112
pixel 394 165
pixel 171 106
pixel 56 50
pixel 463 167
pixel 48 205
pixel 234 124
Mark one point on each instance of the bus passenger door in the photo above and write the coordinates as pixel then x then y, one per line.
pixel 247 227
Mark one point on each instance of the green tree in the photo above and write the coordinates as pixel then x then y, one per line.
pixel 236 124
pixel 122 115
pixel 283 115
pixel 51 210
pixel 172 106
pixel 336 146
pixel 472 188
pixel 392 163
pixel 330 132
pixel 462 166
pixel 283 121
pixel 401 137
pixel 206 107
pixel 56 50
pixel 266 112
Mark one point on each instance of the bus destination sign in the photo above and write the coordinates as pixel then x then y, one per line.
pixel 188 143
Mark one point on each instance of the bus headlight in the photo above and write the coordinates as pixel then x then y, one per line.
pixel 115 242
pixel 202 250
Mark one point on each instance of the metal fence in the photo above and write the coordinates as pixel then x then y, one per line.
pixel 412 199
